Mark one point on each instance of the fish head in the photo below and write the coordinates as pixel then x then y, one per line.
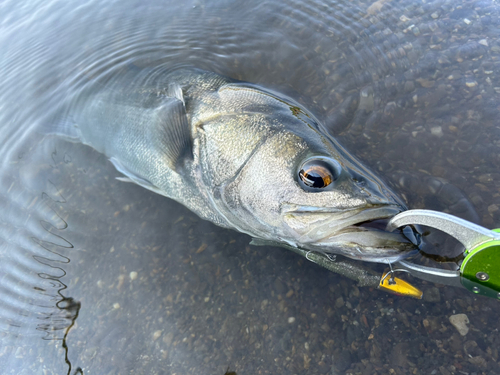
pixel 296 185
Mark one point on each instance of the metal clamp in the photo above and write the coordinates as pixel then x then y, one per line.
pixel 479 271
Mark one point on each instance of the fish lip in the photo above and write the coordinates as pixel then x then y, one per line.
pixel 366 213
pixel 287 208
pixel 366 219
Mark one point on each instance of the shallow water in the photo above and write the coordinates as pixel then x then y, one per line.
pixel 98 276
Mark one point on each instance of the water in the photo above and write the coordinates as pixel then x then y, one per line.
pixel 98 276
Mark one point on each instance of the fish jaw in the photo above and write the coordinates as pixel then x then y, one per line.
pixel 348 232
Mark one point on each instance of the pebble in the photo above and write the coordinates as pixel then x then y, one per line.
pixel 366 101
pixel 355 291
pixel 156 335
pixel 339 302
pixel 168 338
pixel 460 321
pixel 492 208
pixel 291 319
pixel 279 286
pixel 342 361
pixel 432 295
pixel 485 178
pixel 471 83
pixel 437 131
pixel 427 83
pixel 133 275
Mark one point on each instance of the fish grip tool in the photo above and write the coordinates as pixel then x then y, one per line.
pixel 479 272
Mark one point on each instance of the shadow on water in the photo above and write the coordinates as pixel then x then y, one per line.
pixel 71 307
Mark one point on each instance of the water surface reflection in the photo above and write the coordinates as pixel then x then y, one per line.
pixel 109 278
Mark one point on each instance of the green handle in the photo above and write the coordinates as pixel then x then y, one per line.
pixel 480 269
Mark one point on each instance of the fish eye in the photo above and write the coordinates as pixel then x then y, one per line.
pixel 318 174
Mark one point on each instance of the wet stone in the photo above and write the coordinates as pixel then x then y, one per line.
pixel 339 302
pixel 432 295
pixel 354 333
pixel 456 343
pixel 460 322
pixel 366 103
pixel 399 355
pixel 157 334
pixel 354 291
pixel 470 83
pixel 342 361
pixel 478 361
pixel 431 324
pixel 279 286
pixel 285 342
pixel 437 131
pixel 492 209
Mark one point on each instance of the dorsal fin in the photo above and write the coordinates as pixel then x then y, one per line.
pixel 174 136
pixel 175 91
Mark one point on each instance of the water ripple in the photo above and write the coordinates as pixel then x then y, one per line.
pixel 32 260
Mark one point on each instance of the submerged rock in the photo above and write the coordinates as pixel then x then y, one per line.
pixel 460 322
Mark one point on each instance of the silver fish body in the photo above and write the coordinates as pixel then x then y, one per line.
pixel 242 157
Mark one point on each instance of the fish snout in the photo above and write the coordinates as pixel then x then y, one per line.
pixel 374 191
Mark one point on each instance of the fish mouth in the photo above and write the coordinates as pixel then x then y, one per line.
pixel 357 233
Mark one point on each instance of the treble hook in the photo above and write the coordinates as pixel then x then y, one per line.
pixel 391 273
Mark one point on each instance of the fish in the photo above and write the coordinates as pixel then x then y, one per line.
pixel 241 156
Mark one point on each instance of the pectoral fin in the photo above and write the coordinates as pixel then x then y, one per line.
pixel 262 242
pixel 132 177
pixel 174 136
